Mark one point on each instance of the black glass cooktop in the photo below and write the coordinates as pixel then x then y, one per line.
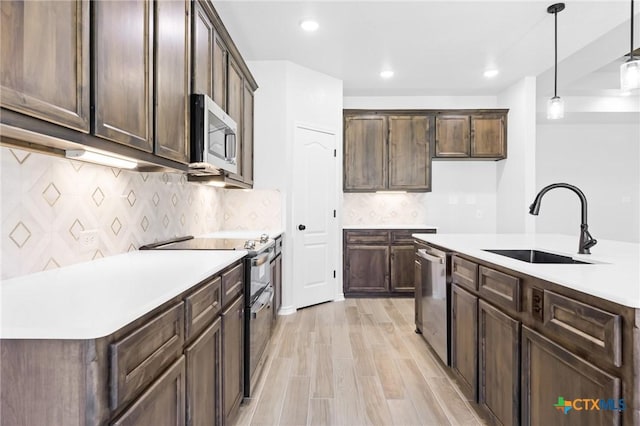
pixel 191 243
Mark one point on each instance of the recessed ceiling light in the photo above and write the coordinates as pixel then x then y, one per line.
pixel 309 25
pixel 490 73
pixel 386 74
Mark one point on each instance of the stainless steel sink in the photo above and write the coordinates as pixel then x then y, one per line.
pixel 536 256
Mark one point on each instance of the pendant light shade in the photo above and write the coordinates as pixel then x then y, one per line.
pixel 555 108
pixel 630 70
pixel 555 105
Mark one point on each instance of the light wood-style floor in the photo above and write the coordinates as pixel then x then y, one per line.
pixel 356 362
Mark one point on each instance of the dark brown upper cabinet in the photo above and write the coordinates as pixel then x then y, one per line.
pixel 123 77
pixel 247 134
pixel 489 136
pixel 118 77
pixel 209 52
pixel 387 152
pixel 203 39
pixel 235 93
pixel 220 55
pixel 219 72
pixel 409 153
pixel 365 153
pixel 452 136
pixel 128 76
pixel 44 65
pixel 172 79
pixel 471 134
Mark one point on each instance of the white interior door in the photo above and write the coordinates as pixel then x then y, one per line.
pixel 314 224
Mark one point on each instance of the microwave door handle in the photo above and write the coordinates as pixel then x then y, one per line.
pixel 230 148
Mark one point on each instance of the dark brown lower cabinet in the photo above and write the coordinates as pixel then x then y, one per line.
pixel 162 403
pixel 464 340
pixel 232 356
pixel 380 262
pixel 204 377
pixel 550 372
pixel 499 364
pixel 367 269
pixel 402 275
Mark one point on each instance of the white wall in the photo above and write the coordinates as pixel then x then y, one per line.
pixel 515 181
pixel 419 102
pixel 289 94
pixel 464 192
pixel 603 161
pixel 270 123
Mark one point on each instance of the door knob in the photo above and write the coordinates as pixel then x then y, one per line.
pixel 302 227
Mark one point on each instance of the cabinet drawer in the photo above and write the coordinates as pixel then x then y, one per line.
pixel 404 236
pixel 584 326
pixel 164 401
pixel 464 273
pixel 499 288
pixel 201 307
pixel 232 283
pixel 139 357
pixel 365 237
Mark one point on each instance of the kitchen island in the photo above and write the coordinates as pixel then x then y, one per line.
pixel 529 341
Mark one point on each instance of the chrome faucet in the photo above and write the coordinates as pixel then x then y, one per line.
pixel 586 240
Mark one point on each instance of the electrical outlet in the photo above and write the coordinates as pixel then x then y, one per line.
pixel 89 239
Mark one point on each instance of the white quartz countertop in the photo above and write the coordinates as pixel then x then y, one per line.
pixel 394 226
pixel 94 299
pixel 241 233
pixel 614 274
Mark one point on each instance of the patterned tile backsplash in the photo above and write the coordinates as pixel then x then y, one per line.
pixel 252 210
pixel 384 209
pixel 57 212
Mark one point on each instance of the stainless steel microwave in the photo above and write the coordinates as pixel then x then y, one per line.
pixel 213 138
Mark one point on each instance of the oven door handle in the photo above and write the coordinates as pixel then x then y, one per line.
pixel 262 259
pixel 267 303
pixel 423 254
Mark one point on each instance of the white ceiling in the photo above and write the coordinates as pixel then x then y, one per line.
pixel 434 47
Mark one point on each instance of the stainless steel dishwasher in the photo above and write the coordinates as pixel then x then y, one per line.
pixel 434 300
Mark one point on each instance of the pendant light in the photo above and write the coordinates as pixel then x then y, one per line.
pixel 630 70
pixel 555 105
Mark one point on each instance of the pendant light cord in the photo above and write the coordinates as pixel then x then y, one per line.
pixel 631 51
pixel 555 74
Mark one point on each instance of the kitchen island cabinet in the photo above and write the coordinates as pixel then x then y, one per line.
pixel 464 340
pixel 546 333
pixel 164 367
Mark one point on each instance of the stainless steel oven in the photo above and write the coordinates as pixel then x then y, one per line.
pixel 258 293
pixel 434 300
pixel 258 316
